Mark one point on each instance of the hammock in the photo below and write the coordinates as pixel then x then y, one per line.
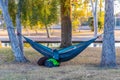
pixel 61 55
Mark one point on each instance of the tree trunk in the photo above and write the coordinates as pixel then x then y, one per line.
pixel 19 57
pixel 95 19
pixel 36 31
pixel 94 11
pixel 108 49
pixel 47 31
pixel 66 26
pixel 18 24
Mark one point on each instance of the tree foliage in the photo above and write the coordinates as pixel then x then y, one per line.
pixel 45 12
pixel 80 13
pixel 100 22
pixel 35 12
pixel 12 7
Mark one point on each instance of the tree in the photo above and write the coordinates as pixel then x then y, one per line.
pixel 100 22
pixel 94 11
pixel 79 13
pixel 108 49
pixel 12 9
pixel 26 13
pixel 19 57
pixel 18 24
pixel 66 26
pixel 35 12
pixel 48 13
pixel 15 8
pixel 44 12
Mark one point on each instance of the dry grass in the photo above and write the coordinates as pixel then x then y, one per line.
pixel 83 67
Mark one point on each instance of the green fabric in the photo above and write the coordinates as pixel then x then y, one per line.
pixel 55 62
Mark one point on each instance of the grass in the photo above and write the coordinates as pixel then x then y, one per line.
pixel 83 67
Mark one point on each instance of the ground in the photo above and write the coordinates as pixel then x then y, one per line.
pixel 83 67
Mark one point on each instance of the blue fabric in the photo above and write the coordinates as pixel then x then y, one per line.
pixel 61 55
pixel 55 54
pixel 69 48
pixel 70 54
pixel 40 48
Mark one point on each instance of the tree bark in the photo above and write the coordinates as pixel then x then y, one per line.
pixel 66 26
pixel 19 57
pixel 94 11
pixel 36 31
pixel 95 19
pixel 108 49
pixel 47 31
pixel 18 24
